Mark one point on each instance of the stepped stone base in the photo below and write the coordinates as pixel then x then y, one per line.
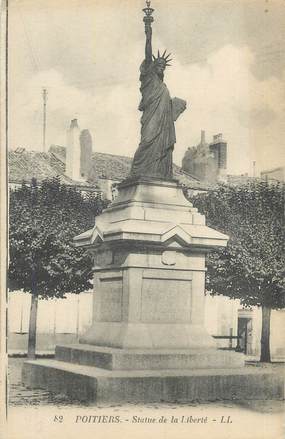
pixel 138 359
pixel 89 383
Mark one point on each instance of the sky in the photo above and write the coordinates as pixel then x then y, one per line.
pixel 228 64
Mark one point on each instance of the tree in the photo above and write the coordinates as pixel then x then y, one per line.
pixel 43 261
pixel 252 267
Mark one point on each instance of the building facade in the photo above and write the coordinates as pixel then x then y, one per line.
pixel 207 161
pixel 275 174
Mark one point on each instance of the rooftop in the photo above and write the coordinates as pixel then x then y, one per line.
pixel 24 165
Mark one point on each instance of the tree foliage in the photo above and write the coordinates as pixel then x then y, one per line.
pixel 42 223
pixel 252 267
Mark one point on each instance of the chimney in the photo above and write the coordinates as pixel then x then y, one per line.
pixel 219 148
pixel 74 123
pixel 85 153
pixel 73 151
pixel 253 168
pixel 218 138
pixel 203 137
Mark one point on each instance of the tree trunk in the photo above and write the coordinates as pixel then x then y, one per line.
pixel 33 319
pixel 33 327
pixel 265 335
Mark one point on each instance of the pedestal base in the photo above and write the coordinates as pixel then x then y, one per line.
pixel 93 373
pixel 138 359
pixel 87 383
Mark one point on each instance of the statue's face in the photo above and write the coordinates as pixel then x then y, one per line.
pixel 159 67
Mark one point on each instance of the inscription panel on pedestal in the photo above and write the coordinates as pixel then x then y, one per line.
pixel 111 291
pixel 166 300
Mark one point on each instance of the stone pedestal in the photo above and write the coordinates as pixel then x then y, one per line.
pixel 149 250
pixel 148 338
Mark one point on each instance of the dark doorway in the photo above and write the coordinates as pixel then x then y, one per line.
pixel 245 334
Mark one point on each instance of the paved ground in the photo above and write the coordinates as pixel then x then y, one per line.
pixel 21 396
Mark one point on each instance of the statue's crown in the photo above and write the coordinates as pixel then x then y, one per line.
pixel 162 58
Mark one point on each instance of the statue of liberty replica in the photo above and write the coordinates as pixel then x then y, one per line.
pixel 148 341
pixel 154 155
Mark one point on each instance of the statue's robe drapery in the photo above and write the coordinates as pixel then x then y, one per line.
pixel 154 154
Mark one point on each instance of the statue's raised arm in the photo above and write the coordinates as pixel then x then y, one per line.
pixel 148 19
pixel 148 46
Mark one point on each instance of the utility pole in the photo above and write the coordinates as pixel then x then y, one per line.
pixel 44 118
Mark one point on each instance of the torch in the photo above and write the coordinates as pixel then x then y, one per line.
pixel 148 19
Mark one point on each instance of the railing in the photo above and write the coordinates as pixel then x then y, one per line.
pixel 230 338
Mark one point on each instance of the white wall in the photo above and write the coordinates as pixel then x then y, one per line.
pixel 278 333
pixel 73 315
pixel 70 315
pixel 221 314
pixel 221 317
